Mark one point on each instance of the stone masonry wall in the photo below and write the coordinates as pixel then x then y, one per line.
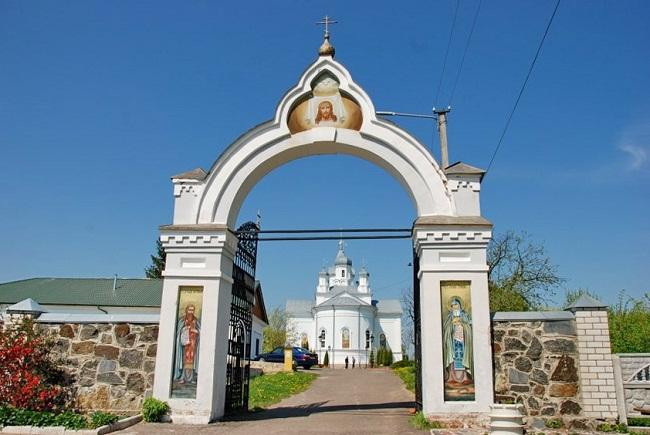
pixel 112 364
pixel 536 364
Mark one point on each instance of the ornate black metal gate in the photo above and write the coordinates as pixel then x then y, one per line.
pixel 417 331
pixel 241 322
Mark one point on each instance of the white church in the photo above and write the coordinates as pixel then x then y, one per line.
pixel 343 319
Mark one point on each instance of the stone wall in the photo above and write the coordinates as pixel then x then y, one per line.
pixel 634 382
pixel 112 364
pixel 536 364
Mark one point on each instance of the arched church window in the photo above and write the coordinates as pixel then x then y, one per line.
pixel 321 338
pixel 343 273
pixel 367 339
pixel 304 341
pixel 345 338
pixel 382 340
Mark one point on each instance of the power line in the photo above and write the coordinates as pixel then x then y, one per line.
pixel 444 62
pixel 462 61
pixel 521 91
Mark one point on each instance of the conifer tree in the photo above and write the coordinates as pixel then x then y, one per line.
pixel 157 262
pixel 326 360
pixel 372 358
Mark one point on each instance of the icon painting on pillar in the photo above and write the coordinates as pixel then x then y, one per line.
pixel 457 341
pixel 186 345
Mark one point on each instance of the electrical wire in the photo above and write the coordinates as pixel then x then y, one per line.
pixel 523 86
pixel 444 62
pixel 462 61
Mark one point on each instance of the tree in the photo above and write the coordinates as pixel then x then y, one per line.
pixel 279 331
pixel 629 324
pixel 520 274
pixel 408 320
pixel 629 321
pixel 326 360
pixel 372 358
pixel 157 262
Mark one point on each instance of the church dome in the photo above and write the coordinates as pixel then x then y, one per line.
pixel 341 258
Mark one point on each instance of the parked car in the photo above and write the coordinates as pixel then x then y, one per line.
pixel 301 356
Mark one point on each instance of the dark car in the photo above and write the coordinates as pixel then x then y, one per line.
pixel 301 356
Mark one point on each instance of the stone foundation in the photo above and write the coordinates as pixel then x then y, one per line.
pixel 112 364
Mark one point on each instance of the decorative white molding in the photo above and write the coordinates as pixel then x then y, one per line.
pixel 451 236
pixel 187 188
pixel 456 185
pixel 193 240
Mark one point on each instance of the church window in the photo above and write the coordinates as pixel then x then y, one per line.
pixel 367 339
pixel 382 340
pixel 321 337
pixel 345 338
pixel 343 273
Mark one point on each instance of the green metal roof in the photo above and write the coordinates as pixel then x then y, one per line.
pixel 84 291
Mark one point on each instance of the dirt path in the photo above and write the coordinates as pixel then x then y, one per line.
pixel 356 401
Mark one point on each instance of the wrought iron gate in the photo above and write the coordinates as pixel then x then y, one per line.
pixel 241 322
pixel 417 331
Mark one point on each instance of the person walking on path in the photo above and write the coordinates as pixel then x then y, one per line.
pixel 346 362
pixel 353 361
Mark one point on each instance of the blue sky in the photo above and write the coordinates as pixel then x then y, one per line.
pixel 101 102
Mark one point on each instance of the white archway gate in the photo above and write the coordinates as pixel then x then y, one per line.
pixel 325 113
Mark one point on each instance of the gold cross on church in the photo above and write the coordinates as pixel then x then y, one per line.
pixel 327 21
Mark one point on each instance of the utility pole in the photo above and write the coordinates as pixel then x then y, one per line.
pixel 442 131
pixel 441 116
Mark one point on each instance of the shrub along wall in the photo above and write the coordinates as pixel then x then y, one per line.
pixel 113 364
pixel 536 364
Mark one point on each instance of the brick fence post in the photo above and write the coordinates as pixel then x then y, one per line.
pixel 597 387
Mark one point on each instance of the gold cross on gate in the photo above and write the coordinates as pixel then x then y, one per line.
pixel 327 21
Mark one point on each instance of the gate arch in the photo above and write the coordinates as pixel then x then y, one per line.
pixel 325 113
pixel 272 144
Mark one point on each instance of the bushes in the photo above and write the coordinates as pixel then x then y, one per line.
pixel 326 359
pixel 25 417
pixel 29 377
pixel 153 409
pixel 98 419
pixel 638 421
pixel 70 420
pixel 384 356
pixel 402 363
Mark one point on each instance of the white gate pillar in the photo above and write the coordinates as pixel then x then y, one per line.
pixel 199 257
pixel 453 249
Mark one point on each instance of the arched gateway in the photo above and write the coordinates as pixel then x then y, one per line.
pixel 325 113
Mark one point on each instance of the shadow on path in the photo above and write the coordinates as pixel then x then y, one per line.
pixel 318 407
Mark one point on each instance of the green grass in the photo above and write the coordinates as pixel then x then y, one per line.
pixel 407 375
pixel 266 390
pixel 419 421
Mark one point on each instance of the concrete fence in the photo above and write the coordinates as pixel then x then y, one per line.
pixel 633 383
